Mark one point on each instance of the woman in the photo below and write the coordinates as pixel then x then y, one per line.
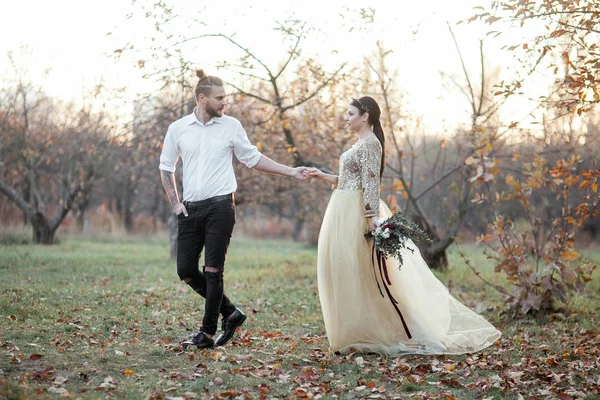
pixel 415 314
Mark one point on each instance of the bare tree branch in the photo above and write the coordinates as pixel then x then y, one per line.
pixel 245 50
pixel 254 96
pixel 16 199
pixel 292 53
pixel 472 98
pixel 434 184
pixel 317 90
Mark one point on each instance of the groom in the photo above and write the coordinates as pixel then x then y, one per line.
pixel 206 140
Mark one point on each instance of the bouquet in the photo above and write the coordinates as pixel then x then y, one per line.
pixel 389 240
pixel 392 234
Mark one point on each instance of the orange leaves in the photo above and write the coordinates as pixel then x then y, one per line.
pixel 558 32
pixel 510 180
pixel 569 255
pixel 470 161
pixel 580 31
pixel 500 224
pixel 487 238
pixel 492 19
pixel 538 256
pixel 397 187
pixel 392 202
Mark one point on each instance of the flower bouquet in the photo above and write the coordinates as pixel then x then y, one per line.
pixel 389 240
pixel 391 236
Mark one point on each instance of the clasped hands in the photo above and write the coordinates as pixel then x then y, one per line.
pixel 304 173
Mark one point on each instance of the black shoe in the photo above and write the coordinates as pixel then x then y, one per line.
pixel 201 341
pixel 229 326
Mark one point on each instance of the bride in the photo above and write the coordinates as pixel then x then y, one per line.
pixel 358 316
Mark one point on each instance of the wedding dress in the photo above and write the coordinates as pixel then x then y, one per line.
pixel 358 315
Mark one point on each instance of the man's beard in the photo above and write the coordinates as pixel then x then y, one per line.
pixel 212 112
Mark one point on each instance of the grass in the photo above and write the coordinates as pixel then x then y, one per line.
pixel 97 319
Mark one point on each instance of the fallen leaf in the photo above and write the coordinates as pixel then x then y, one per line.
pixel 514 374
pixel 57 390
pixel 451 382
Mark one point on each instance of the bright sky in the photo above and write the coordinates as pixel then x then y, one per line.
pixel 70 38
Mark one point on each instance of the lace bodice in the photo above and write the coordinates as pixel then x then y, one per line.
pixel 359 169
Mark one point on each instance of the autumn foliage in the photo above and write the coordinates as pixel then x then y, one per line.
pixel 567 44
pixel 539 259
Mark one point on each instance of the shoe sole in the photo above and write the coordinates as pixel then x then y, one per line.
pixel 187 345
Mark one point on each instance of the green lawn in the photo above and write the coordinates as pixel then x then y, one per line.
pixel 102 319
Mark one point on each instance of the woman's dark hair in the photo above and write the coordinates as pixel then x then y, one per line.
pixel 367 104
pixel 206 83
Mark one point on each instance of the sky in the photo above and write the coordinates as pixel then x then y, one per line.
pixel 67 43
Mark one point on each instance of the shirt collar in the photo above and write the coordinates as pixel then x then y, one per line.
pixel 193 119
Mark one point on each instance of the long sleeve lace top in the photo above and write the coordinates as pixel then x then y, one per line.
pixel 359 169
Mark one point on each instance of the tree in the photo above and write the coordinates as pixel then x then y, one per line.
pixel 319 134
pixel 281 95
pixel 540 202
pixel 49 153
pixel 568 34
pixel 36 173
pixel 540 261
pixel 446 163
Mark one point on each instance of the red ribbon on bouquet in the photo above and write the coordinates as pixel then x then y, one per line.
pixel 386 282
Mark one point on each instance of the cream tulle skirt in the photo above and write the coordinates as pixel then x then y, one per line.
pixel 357 317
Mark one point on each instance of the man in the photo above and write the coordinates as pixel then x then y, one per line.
pixel 205 140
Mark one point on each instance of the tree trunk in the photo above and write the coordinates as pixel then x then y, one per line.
pixel 298 225
pixel 42 232
pixel 80 209
pixel 126 211
pixel 435 258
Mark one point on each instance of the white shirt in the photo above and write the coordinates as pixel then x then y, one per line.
pixel 206 154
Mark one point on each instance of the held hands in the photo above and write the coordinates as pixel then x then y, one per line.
pixel 315 173
pixel 179 208
pixel 303 173
pixel 300 173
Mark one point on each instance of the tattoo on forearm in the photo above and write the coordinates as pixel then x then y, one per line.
pixel 168 182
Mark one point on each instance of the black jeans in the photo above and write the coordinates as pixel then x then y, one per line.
pixel 208 225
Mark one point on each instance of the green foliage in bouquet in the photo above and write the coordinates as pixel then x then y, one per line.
pixel 392 234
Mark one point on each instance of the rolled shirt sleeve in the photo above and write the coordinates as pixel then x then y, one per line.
pixel 170 152
pixel 370 164
pixel 245 151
